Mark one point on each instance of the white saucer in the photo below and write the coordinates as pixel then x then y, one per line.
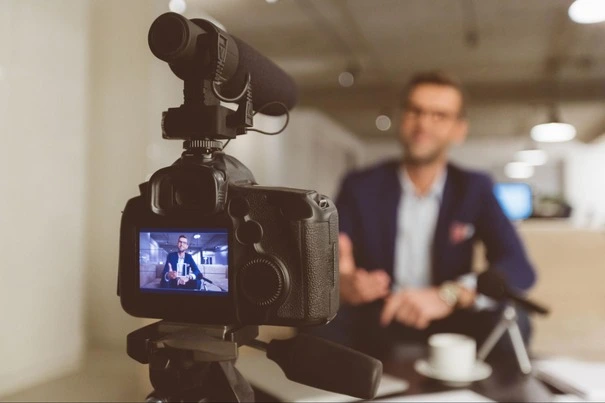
pixel 479 372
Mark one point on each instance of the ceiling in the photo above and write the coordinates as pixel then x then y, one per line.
pixel 514 56
pixel 207 241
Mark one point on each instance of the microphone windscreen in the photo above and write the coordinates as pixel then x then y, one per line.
pixel 492 284
pixel 269 82
pixel 326 365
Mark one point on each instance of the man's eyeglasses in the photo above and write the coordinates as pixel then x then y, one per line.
pixel 183 242
pixel 415 112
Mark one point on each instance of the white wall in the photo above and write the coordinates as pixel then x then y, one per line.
pixel 122 96
pixel 586 184
pixel 44 83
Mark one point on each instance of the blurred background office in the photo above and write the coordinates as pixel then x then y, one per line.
pixel 81 98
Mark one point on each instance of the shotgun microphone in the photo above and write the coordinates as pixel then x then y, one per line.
pixel 492 284
pixel 198 48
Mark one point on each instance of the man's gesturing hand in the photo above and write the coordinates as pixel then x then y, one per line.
pixel 171 274
pixel 415 308
pixel 358 286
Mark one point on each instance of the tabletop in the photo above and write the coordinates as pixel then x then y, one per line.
pixel 506 382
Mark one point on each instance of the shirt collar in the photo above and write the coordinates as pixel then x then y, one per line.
pixel 436 189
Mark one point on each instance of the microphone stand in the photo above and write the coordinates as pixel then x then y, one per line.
pixel 508 322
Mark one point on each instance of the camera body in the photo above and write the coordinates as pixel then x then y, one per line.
pixel 277 248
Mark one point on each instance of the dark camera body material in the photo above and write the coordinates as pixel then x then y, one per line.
pixel 283 246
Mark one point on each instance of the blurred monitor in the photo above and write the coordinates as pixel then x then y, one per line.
pixel 515 199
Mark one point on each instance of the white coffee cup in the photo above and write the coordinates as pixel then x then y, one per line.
pixel 452 355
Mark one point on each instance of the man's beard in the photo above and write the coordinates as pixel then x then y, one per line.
pixel 429 159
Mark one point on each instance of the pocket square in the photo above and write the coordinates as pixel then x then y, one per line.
pixel 460 232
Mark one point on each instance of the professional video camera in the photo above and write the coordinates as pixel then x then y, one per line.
pixel 260 255
pixel 278 245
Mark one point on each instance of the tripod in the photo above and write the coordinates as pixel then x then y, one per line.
pixel 508 322
pixel 195 363
pixel 192 363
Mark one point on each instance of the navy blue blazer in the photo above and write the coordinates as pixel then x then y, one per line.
pixel 173 259
pixel 368 203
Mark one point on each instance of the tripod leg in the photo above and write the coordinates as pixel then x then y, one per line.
pixel 492 339
pixel 519 346
pixel 227 384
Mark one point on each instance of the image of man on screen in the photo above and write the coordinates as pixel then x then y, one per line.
pixel 180 270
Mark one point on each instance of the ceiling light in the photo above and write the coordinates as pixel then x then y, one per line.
pixel 532 156
pixel 177 6
pixel 587 11
pixel 383 123
pixel 349 75
pixel 553 131
pixel 518 170
pixel 271 1
pixel 346 79
pixel 197 236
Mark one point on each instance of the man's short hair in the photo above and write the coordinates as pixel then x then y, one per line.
pixel 435 77
pixel 181 236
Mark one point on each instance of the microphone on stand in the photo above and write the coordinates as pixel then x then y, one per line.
pixel 492 284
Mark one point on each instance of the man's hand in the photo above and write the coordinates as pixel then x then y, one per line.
pixel 183 280
pixel 415 308
pixel 171 274
pixel 358 286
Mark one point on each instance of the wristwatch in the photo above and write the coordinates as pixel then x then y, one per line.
pixel 449 292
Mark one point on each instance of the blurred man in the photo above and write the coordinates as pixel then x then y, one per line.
pixel 408 228
pixel 180 270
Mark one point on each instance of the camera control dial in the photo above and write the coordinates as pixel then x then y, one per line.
pixel 263 281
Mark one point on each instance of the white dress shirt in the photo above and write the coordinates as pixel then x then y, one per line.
pixel 180 266
pixel 416 222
